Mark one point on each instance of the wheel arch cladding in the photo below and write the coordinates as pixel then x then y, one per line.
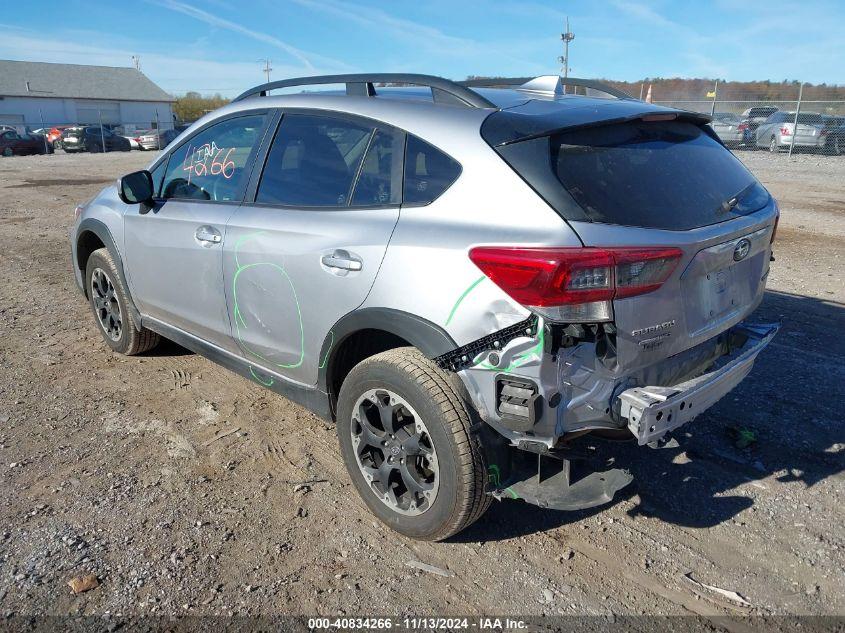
pixel 91 236
pixel 369 331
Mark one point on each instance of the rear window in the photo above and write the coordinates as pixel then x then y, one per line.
pixel 668 175
pixel 761 112
pixel 665 175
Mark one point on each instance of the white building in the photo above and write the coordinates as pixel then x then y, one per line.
pixel 37 94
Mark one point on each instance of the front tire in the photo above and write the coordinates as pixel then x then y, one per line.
pixel 410 446
pixel 108 300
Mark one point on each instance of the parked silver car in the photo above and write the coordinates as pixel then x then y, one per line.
pixel 155 139
pixel 465 281
pixel 776 132
pixel 726 126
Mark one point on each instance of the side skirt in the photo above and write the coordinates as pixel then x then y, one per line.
pixel 311 398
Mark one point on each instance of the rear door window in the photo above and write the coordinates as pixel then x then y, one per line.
pixel 213 165
pixel 314 161
pixel 428 172
pixel 667 175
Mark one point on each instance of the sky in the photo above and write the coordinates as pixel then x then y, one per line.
pixel 214 46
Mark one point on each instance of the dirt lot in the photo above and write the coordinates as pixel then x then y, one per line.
pixel 128 467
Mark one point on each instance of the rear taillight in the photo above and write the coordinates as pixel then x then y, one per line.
pixel 742 127
pixel 548 277
pixel 785 131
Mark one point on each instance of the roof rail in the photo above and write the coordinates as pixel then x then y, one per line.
pixel 549 84
pixel 362 84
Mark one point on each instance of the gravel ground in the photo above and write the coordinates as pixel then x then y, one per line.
pixel 188 490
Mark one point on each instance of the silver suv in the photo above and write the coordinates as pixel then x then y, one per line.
pixel 466 280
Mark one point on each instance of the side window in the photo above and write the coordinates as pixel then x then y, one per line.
pixel 313 161
pixel 212 165
pixel 380 180
pixel 428 172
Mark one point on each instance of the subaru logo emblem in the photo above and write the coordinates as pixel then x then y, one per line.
pixel 741 249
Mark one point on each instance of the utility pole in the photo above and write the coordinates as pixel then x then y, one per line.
pixel 564 59
pixel 266 68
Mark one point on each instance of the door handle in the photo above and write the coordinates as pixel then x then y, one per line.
pixel 208 234
pixel 341 259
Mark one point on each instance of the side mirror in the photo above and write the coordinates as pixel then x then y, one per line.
pixel 136 188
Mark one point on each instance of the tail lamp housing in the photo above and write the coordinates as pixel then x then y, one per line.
pixel 575 284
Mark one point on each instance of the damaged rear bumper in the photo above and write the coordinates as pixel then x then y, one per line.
pixel 651 412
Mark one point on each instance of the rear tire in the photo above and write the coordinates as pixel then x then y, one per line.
pixel 109 302
pixel 433 436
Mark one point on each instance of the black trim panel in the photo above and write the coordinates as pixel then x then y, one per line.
pixel 312 399
pixel 430 339
pixel 90 225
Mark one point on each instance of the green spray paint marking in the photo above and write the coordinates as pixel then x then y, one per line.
pixel 326 357
pixel 258 378
pixel 239 319
pixel 463 296
pixel 520 359
pixel 512 493
pixel 495 475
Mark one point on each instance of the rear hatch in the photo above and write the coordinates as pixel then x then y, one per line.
pixel 657 178
pixel 73 136
pixel 809 129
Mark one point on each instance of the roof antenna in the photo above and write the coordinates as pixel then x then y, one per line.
pixel 136 61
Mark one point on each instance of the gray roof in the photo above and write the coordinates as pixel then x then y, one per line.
pixel 70 81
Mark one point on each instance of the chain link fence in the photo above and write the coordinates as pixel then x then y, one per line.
pixel 785 117
pixel 779 117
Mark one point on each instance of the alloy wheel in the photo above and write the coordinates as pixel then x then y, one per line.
pixel 106 305
pixel 394 452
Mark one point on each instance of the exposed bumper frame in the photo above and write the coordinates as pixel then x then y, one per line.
pixel 654 411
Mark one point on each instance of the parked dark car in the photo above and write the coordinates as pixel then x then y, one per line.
pixel 11 143
pixel 835 136
pixel 751 120
pixel 92 139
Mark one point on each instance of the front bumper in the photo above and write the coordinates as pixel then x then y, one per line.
pixel 652 412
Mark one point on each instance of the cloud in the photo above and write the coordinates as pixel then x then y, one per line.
pixel 435 43
pixel 176 74
pixel 216 21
